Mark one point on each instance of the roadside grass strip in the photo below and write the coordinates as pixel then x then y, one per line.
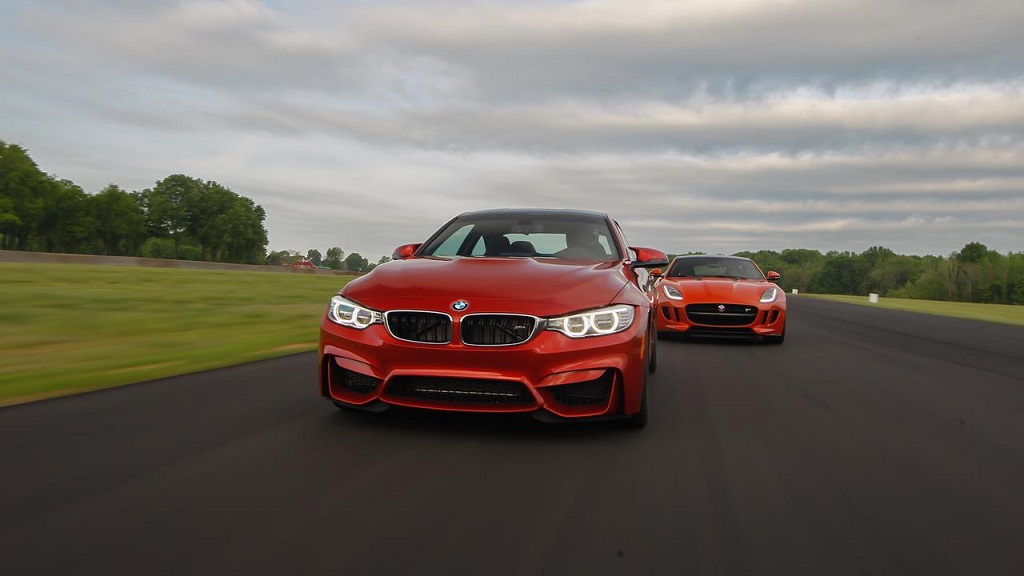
pixel 1001 313
pixel 68 328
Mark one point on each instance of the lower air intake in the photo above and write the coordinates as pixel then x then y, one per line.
pixel 460 390
pixel 589 393
pixel 352 381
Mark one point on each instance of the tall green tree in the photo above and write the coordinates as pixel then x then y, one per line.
pixel 66 223
pixel 208 222
pixel 333 259
pixel 167 207
pixel 356 263
pixel 120 221
pixel 207 219
pixel 876 255
pixel 1015 278
pixel 245 237
pixel 842 274
pixel 23 188
pixel 973 268
pixel 893 274
pixel 9 220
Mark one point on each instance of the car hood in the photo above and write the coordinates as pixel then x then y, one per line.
pixel 541 287
pixel 719 289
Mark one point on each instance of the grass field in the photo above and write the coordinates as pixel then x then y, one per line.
pixel 1001 313
pixel 67 328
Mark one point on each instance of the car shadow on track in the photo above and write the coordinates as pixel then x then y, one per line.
pixel 497 426
pixel 710 340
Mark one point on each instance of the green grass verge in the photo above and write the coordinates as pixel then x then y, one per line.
pixel 68 328
pixel 1002 313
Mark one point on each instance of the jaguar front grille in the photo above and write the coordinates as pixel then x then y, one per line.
pixel 722 314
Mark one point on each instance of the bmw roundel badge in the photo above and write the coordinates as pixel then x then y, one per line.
pixel 460 305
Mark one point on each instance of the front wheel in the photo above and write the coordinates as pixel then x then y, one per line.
pixel 652 360
pixel 639 420
pixel 777 339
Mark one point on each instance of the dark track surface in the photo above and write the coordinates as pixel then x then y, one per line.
pixel 871 442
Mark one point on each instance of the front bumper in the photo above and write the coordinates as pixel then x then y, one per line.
pixel 550 375
pixel 763 320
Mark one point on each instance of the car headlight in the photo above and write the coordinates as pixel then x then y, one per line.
pixel 769 294
pixel 348 313
pixel 593 323
pixel 671 292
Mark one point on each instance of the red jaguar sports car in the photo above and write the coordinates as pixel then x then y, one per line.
pixel 536 311
pixel 721 296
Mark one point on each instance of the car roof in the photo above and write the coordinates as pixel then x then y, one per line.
pixel 520 212
pixel 718 256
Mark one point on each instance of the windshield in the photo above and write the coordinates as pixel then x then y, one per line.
pixel 715 266
pixel 566 236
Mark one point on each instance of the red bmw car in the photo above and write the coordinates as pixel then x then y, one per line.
pixel 538 311
pixel 721 296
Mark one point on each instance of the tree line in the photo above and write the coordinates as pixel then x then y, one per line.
pixel 973 274
pixel 334 259
pixel 181 217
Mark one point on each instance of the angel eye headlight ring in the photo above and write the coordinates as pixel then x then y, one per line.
pixel 347 313
pixel 600 322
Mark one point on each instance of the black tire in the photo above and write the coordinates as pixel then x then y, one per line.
pixel 652 360
pixel 776 339
pixel 639 420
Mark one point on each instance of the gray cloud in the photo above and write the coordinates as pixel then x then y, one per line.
pixel 702 125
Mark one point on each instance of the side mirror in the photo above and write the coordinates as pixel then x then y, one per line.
pixel 648 257
pixel 405 251
pixel 773 276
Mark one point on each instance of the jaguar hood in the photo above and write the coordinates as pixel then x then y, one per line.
pixel 719 289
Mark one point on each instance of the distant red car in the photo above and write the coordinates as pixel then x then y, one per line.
pixel 538 311
pixel 720 296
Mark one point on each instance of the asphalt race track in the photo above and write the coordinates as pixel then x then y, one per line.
pixel 871 442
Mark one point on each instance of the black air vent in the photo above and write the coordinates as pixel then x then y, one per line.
pixel 460 390
pixel 427 327
pixel 589 393
pixel 722 314
pixel 496 329
pixel 352 381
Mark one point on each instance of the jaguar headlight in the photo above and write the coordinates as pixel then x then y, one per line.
pixel 769 294
pixel 593 322
pixel 671 292
pixel 348 313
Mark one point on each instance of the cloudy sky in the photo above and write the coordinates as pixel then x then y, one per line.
pixel 701 125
